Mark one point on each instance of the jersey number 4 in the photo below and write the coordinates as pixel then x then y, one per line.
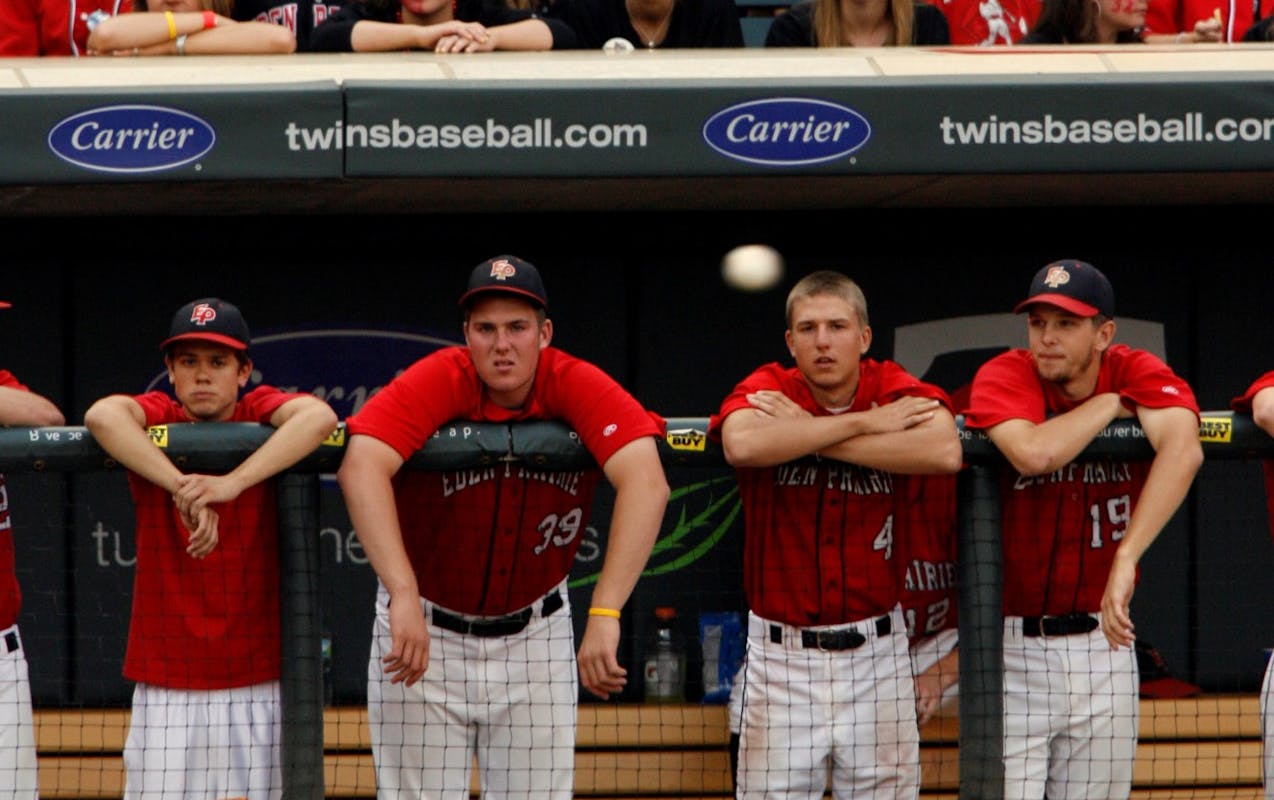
pixel 1118 510
pixel 885 538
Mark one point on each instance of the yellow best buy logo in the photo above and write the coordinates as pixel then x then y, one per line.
pixel 1215 429
pixel 158 435
pixel 687 439
pixel 336 438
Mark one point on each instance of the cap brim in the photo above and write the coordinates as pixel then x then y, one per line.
pixel 472 293
pixel 1169 688
pixel 1061 301
pixel 215 338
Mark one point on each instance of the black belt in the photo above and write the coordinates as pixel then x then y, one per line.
pixel 11 643
pixel 1064 625
pixel 507 625
pixel 843 639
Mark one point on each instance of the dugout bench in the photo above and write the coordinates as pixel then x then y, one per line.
pixel 1207 746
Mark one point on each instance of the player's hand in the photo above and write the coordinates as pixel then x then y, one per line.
pixel 408 656
pixel 775 404
pixel 599 669
pixel 203 532
pixel 1116 621
pixel 928 696
pixel 900 415
pixel 196 492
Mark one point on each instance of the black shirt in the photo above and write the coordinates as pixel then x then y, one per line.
pixel 333 35
pixel 795 27
pixel 694 23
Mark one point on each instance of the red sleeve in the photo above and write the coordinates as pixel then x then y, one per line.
pixel 19 28
pixel 160 408
pixel 260 404
pixel 1243 402
pixel 602 412
pixel 893 382
pixel 407 411
pixel 1164 16
pixel 768 376
pixel 1005 388
pixel 1143 379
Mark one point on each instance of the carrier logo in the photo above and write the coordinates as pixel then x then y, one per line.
pixel 131 139
pixel 786 131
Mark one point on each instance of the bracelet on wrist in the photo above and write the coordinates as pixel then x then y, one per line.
pixel 172 25
pixel 209 20
pixel 181 45
pixel 603 612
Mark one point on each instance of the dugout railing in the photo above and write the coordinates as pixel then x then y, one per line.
pixel 552 446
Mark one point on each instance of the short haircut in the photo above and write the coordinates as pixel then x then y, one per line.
pixel 831 283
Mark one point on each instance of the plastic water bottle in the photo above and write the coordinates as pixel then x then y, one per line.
pixel 665 661
pixel 329 689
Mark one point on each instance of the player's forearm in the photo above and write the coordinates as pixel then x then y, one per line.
pixel 931 448
pixel 369 500
pixel 752 439
pixel 1177 462
pixel 119 431
pixel 641 497
pixel 309 422
pixel 1056 442
pixel 18 407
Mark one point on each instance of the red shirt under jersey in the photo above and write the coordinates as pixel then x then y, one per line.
pixel 491 540
pixel 50 27
pixel 1061 530
pixel 210 623
pixel 10 592
pixel 819 546
pixel 1243 403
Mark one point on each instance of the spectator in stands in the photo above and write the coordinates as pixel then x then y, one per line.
pixel 651 24
pixel 185 27
pixel 204 638
pixel 1074 533
pixel 51 27
pixel 18 406
pixel 817 449
pixel 989 22
pixel 1258 401
pixel 444 26
pixel 1202 21
pixel 859 23
pixel 1089 22
pixel 298 16
pixel 473 654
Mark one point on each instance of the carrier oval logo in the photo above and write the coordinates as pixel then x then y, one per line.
pixel 786 131
pixel 131 139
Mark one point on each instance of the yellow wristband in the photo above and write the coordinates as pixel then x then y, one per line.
pixel 172 25
pixel 603 612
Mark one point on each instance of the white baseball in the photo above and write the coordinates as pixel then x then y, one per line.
pixel 752 267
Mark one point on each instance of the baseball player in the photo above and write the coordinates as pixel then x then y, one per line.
pixel 472 647
pixel 925 530
pixel 1258 401
pixel 18 406
pixel 827 679
pixel 203 641
pixel 1074 532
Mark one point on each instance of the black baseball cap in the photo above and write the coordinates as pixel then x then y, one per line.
pixel 508 274
pixel 1074 286
pixel 209 319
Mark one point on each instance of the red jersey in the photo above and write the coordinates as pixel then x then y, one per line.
pixel 1243 403
pixel 50 27
pixel 210 623
pixel 1175 16
pixel 10 592
pixel 491 540
pixel 989 22
pixel 925 530
pixel 1060 531
pixel 819 546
